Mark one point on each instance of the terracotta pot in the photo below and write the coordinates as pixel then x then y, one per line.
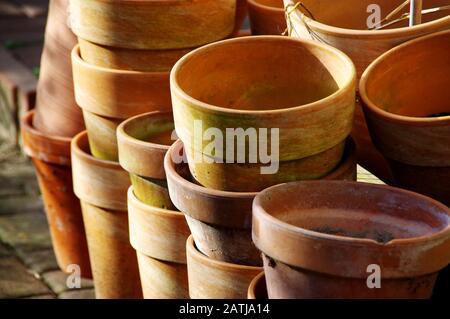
pixel 410 120
pixel 129 59
pixel 333 26
pixel 162 279
pixel 247 95
pixel 117 93
pixel 159 236
pixel 143 142
pixel 267 17
pixel 241 14
pixel 212 279
pixel 258 288
pixel 102 135
pixel 221 221
pixel 56 110
pixel 334 233
pixel 102 188
pixel 174 23
pixel 51 159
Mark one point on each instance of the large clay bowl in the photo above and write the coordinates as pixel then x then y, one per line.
pixel 51 160
pixel 303 88
pixel 258 288
pixel 220 221
pixel 410 120
pixel 152 24
pixel 212 279
pixel 143 141
pixel 335 232
pixel 118 93
pixel 267 17
pixel 98 182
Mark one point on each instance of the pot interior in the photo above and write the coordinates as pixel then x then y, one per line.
pixel 353 14
pixel 354 210
pixel 154 128
pixel 262 73
pixel 414 81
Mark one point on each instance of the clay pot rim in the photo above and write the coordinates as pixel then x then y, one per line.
pixel 129 139
pixel 255 3
pixel 80 153
pixel 319 104
pixel 372 34
pixel 166 213
pixel 396 118
pixel 27 123
pixel 192 250
pixel 251 294
pixel 78 60
pixel 169 167
pixel 262 215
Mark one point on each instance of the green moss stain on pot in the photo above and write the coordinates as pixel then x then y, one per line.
pixel 152 192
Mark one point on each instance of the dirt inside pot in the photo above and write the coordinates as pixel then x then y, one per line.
pixel 337 13
pixel 262 75
pixel 413 81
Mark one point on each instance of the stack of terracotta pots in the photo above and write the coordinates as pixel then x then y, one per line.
pixel 345 26
pixel 267 17
pixel 158 232
pixel 270 82
pixel 47 132
pixel 121 69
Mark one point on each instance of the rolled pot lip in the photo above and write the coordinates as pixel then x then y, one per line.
pixel 77 61
pixel 192 250
pixel 373 34
pixel 77 151
pixel 27 126
pixel 391 117
pixel 260 213
pixel 169 167
pixel 166 213
pixel 322 103
pixel 251 294
pixel 135 142
pixel 256 3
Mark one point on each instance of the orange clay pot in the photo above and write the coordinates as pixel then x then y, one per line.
pixel 117 93
pixel 56 110
pixel 410 120
pixel 143 141
pixel 51 159
pixel 333 26
pixel 159 237
pixel 335 230
pixel 212 279
pixel 314 84
pixel 102 188
pixel 220 221
pixel 267 17
pixel 174 23
pixel 258 288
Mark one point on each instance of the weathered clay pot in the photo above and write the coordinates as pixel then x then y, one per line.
pixel 174 23
pixel 51 159
pixel 129 59
pixel 344 26
pixel 220 221
pixel 102 188
pixel 258 288
pixel 102 135
pixel 118 93
pixel 314 83
pixel 56 110
pixel 159 236
pixel 334 232
pixel 143 142
pixel 212 279
pixel 267 17
pixel 410 120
